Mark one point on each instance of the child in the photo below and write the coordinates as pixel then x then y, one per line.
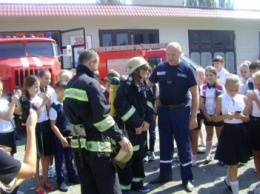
pixel 219 64
pixel 59 122
pixel 197 131
pixel 43 130
pixel 254 132
pixel 133 106
pixel 208 95
pixel 233 146
pixel 45 81
pixel 150 156
pixel 253 67
pixel 107 80
pixel 64 75
pixel 244 76
pixel 7 134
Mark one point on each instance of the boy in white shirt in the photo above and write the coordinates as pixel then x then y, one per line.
pixel 219 63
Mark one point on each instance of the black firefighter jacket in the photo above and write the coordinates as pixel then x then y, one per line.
pixel 84 103
pixel 133 105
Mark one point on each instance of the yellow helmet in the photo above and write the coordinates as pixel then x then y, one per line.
pixel 123 156
pixel 133 63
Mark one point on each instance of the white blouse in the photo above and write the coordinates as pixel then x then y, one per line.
pixel 256 110
pixel 5 126
pixel 37 101
pixel 232 104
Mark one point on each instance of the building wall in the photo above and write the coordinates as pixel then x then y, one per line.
pixel 170 29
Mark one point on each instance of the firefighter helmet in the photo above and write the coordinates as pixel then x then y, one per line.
pixel 133 63
pixel 123 156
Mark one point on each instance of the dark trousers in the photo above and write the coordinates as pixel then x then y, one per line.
pixel 174 124
pixel 152 137
pixel 60 154
pixel 98 175
pixel 133 173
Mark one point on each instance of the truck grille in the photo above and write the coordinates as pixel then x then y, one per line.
pixel 21 74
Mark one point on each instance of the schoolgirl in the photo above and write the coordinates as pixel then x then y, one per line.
pixel 208 94
pixel 43 135
pixel 244 76
pixel 233 146
pixel 254 124
pixel 45 81
pixel 196 133
pixel 7 134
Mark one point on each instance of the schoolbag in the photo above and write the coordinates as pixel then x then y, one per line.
pixel 219 89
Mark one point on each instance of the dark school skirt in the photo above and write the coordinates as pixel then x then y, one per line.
pixel 199 120
pixel 44 139
pixel 212 123
pixel 254 133
pixel 8 139
pixel 233 145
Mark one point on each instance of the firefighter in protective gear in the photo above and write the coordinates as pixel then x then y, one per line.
pixel 135 111
pixel 92 126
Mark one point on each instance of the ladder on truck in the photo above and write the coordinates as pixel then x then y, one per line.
pixel 131 47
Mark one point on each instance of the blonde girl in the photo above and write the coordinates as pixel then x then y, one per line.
pixel 64 75
pixel 233 146
pixel 244 76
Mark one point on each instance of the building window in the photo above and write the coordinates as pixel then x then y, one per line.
pixel 127 37
pixel 205 44
pixel 121 39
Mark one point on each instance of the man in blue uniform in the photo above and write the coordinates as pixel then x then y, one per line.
pixel 175 78
pixel 86 108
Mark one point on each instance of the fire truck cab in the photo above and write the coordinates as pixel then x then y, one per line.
pixel 20 57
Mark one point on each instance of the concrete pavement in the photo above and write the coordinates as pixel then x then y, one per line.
pixel 208 179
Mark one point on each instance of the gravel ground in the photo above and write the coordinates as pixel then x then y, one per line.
pixel 208 179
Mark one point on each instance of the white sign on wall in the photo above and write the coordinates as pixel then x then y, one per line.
pixel 76 40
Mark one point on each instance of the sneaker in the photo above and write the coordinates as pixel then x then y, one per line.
pixel 144 189
pixel 63 187
pixel 51 172
pixel 146 159
pixel 208 159
pixel 151 157
pixel 189 186
pixel 220 163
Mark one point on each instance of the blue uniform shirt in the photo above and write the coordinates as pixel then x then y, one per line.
pixel 174 82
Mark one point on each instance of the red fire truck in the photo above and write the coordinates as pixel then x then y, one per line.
pixel 115 57
pixel 20 57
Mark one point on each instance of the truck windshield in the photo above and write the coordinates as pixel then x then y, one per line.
pixel 154 61
pixel 37 49
pixel 12 50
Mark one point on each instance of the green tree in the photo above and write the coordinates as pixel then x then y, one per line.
pixel 228 4
pixel 110 1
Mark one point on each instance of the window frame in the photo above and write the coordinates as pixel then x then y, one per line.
pixel 131 36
